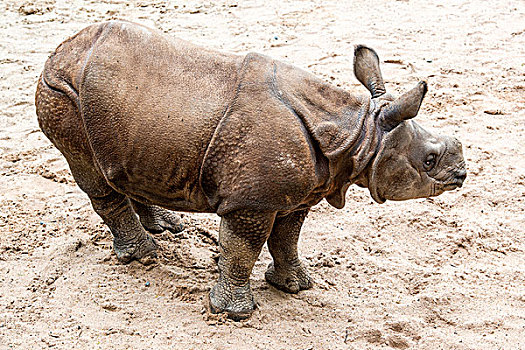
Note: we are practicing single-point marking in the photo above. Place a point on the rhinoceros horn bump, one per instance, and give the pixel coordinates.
(404, 107)
(367, 71)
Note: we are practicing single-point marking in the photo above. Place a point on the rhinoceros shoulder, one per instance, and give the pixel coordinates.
(261, 155)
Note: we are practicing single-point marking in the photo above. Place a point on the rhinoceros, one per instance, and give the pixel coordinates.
(150, 124)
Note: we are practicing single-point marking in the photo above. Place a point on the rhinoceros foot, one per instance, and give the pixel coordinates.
(163, 220)
(144, 250)
(290, 279)
(156, 219)
(237, 302)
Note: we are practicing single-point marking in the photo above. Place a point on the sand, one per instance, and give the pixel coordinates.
(442, 273)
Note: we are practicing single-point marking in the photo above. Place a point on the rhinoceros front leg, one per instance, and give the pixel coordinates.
(287, 272)
(156, 219)
(241, 237)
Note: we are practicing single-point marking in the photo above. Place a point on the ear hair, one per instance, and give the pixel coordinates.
(404, 107)
(367, 71)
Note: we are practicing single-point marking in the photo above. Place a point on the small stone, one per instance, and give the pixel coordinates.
(147, 284)
(397, 342)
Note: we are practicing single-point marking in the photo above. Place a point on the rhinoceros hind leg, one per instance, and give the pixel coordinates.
(156, 219)
(287, 272)
(59, 118)
(130, 240)
(292, 280)
(241, 237)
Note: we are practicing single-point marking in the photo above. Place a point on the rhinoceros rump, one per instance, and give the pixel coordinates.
(150, 124)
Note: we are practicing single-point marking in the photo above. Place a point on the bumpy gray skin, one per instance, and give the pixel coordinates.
(150, 124)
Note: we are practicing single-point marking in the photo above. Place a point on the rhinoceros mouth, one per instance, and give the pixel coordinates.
(451, 186)
(439, 187)
(454, 177)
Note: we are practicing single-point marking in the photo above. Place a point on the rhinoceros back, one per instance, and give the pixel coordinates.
(150, 105)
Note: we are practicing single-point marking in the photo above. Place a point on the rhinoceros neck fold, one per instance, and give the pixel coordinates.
(340, 122)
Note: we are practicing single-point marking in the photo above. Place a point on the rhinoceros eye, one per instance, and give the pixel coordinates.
(430, 161)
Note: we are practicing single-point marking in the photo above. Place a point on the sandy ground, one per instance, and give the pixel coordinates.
(442, 273)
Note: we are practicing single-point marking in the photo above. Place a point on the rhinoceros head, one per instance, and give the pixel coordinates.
(410, 162)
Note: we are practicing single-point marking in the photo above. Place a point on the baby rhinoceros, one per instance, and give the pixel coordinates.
(150, 124)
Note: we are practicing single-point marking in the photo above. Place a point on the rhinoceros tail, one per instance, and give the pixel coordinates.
(57, 99)
(64, 68)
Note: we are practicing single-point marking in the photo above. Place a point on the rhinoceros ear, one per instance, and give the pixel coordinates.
(404, 107)
(366, 70)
